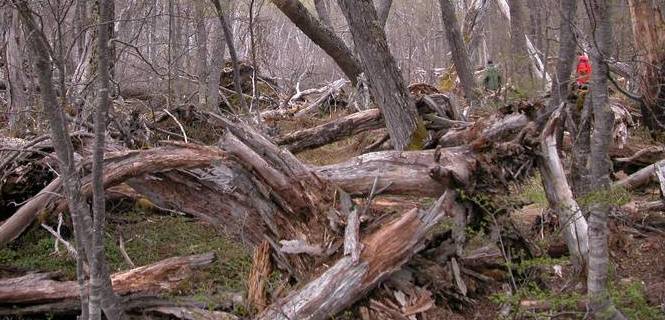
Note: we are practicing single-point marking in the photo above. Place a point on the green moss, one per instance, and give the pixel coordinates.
(34, 251)
(532, 191)
(418, 137)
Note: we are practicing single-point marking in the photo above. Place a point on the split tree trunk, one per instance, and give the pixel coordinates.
(387, 86)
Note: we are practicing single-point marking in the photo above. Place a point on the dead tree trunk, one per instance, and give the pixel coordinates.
(459, 52)
(648, 18)
(322, 36)
(600, 304)
(405, 127)
(560, 197)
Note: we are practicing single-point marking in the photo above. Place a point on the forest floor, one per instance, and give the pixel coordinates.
(546, 283)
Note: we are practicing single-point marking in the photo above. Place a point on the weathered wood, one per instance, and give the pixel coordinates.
(332, 131)
(643, 176)
(119, 167)
(161, 276)
(560, 196)
(385, 251)
(258, 277)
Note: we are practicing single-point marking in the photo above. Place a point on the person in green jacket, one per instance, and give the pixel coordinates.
(492, 80)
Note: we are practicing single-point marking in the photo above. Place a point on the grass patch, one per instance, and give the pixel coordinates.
(148, 238)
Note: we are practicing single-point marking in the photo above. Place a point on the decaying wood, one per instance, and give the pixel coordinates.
(119, 167)
(191, 313)
(258, 277)
(344, 282)
(641, 177)
(162, 276)
(560, 196)
(331, 91)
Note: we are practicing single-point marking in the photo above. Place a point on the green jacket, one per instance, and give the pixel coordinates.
(492, 79)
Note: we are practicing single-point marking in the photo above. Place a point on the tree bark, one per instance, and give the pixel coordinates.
(101, 292)
(566, 56)
(383, 11)
(216, 65)
(600, 304)
(16, 78)
(459, 52)
(322, 10)
(519, 54)
(322, 36)
(648, 18)
(202, 54)
(405, 127)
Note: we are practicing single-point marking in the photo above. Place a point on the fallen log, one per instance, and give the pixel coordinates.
(643, 176)
(119, 167)
(332, 131)
(159, 277)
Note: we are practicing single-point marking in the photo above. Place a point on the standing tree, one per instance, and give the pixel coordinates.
(386, 84)
(69, 175)
(101, 291)
(601, 305)
(458, 50)
(383, 11)
(16, 78)
(566, 57)
(324, 37)
(323, 12)
(202, 54)
(648, 17)
(519, 54)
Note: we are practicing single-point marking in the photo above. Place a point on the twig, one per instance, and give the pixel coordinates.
(121, 246)
(68, 246)
(182, 129)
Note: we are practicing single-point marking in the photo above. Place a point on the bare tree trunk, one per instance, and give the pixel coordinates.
(64, 150)
(16, 79)
(228, 36)
(216, 66)
(566, 57)
(202, 54)
(600, 304)
(458, 49)
(648, 18)
(383, 11)
(520, 56)
(580, 169)
(322, 36)
(323, 12)
(101, 291)
(405, 127)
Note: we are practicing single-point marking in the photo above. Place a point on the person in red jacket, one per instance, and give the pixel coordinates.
(583, 71)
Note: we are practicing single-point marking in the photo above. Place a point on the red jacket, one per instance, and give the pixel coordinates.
(583, 70)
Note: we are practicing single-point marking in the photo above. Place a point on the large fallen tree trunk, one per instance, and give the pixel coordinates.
(119, 167)
(159, 277)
